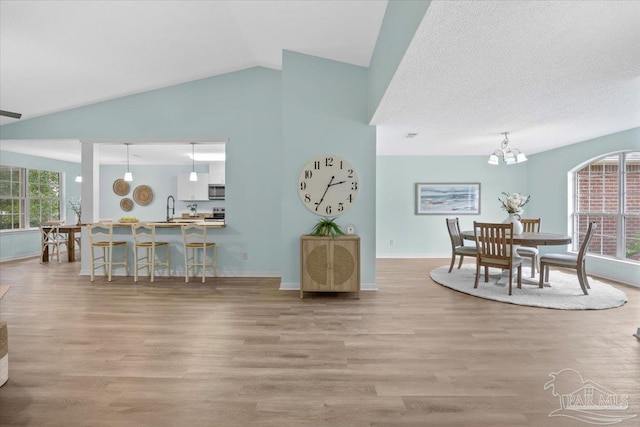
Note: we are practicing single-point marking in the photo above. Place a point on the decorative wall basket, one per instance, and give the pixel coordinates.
(126, 204)
(143, 195)
(121, 187)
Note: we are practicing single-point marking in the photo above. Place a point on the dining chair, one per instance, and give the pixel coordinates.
(457, 243)
(196, 249)
(101, 237)
(495, 249)
(530, 225)
(573, 261)
(51, 240)
(145, 251)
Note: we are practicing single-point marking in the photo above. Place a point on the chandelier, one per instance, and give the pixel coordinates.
(509, 156)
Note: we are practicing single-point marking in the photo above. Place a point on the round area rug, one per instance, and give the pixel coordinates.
(563, 291)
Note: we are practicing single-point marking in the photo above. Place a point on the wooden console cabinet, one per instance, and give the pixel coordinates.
(330, 265)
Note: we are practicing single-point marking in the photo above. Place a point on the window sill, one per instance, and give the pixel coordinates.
(19, 230)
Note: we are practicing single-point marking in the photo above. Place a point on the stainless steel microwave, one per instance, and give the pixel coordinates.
(216, 191)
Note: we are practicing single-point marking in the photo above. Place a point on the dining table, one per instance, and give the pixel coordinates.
(529, 239)
(70, 231)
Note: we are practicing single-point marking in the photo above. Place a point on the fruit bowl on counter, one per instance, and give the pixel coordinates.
(128, 219)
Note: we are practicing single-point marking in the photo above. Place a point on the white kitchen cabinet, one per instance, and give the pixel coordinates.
(193, 190)
(216, 172)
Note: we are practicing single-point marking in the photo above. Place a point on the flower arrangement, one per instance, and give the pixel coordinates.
(75, 206)
(513, 203)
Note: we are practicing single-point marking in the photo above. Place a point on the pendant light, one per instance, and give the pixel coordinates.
(79, 176)
(509, 156)
(193, 176)
(128, 176)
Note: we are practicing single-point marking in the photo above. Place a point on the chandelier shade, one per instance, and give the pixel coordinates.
(508, 155)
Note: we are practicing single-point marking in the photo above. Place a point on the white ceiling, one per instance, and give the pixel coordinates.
(552, 73)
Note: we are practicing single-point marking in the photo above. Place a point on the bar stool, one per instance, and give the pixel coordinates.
(194, 237)
(101, 236)
(144, 237)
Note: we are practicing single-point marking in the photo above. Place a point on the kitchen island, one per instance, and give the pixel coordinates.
(166, 231)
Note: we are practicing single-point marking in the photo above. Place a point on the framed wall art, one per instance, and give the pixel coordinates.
(448, 198)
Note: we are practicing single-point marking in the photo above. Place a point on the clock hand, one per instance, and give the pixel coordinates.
(336, 183)
(324, 194)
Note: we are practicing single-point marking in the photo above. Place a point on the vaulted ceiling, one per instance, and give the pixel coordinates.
(551, 73)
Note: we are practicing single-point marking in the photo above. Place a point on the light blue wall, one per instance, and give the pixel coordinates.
(426, 235)
(325, 112)
(274, 122)
(401, 20)
(18, 244)
(544, 177)
(547, 176)
(244, 106)
(162, 181)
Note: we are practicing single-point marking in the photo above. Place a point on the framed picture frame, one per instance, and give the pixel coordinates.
(448, 198)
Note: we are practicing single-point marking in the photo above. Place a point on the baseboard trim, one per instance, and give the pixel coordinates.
(296, 286)
(270, 274)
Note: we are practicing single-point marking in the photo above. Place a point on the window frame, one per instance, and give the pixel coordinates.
(620, 214)
(24, 199)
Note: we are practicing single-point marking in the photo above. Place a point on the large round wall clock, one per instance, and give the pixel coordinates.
(328, 185)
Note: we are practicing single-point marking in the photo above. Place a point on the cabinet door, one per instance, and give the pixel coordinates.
(329, 265)
(314, 268)
(344, 268)
(193, 190)
(216, 172)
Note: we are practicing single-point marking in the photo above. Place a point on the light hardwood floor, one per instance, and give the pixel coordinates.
(239, 352)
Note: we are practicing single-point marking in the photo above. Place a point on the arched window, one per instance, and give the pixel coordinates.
(607, 191)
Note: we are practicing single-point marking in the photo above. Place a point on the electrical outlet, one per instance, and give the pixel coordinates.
(351, 229)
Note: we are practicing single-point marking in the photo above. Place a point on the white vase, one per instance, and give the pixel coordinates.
(517, 225)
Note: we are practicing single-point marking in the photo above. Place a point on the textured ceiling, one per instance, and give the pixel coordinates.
(550, 72)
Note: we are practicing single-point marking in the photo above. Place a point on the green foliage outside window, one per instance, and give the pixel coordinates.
(37, 189)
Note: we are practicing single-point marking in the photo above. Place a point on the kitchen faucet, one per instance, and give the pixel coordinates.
(172, 208)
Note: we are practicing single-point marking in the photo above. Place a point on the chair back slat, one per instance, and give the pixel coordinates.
(494, 241)
(143, 233)
(194, 233)
(585, 243)
(100, 232)
(530, 225)
(454, 233)
(51, 234)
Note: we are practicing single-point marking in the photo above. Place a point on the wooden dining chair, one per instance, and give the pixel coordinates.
(495, 249)
(573, 261)
(457, 243)
(51, 241)
(530, 225)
